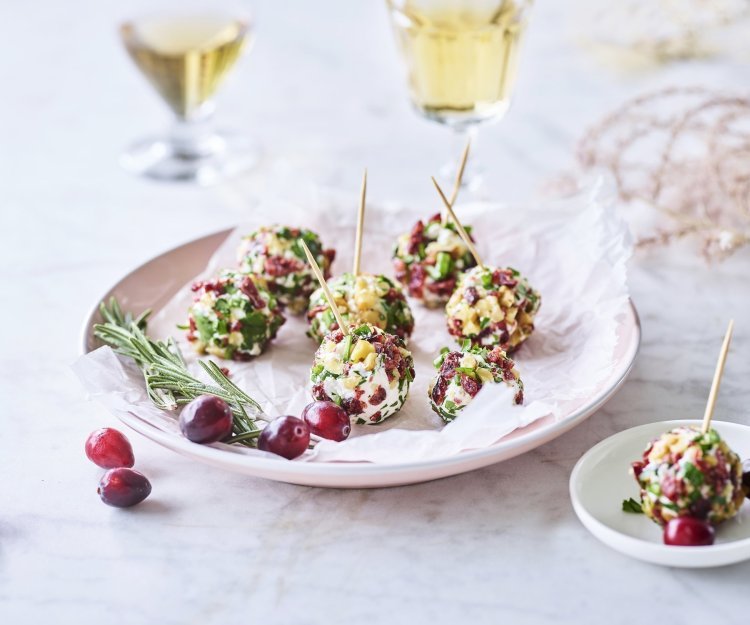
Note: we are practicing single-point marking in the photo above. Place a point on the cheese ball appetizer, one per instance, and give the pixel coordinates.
(274, 254)
(233, 316)
(687, 473)
(367, 373)
(462, 374)
(492, 307)
(366, 298)
(429, 259)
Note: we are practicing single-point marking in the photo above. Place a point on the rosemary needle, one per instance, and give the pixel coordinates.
(168, 381)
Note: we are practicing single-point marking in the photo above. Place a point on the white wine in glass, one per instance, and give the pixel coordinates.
(185, 57)
(461, 58)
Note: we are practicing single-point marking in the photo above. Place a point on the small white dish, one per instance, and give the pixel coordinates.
(600, 481)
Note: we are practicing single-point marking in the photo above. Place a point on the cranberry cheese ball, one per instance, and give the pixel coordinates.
(429, 259)
(365, 298)
(274, 253)
(233, 316)
(367, 373)
(461, 375)
(687, 473)
(492, 307)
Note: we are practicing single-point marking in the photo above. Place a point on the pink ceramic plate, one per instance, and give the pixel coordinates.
(152, 284)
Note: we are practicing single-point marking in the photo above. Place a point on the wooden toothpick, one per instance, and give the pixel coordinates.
(712, 395)
(459, 178)
(360, 225)
(461, 231)
(324, 286)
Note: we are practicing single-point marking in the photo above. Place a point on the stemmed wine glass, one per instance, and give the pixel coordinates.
(186, 51)
(461, 58)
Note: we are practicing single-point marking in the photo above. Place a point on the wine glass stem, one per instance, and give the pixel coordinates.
(194, 138)
(472, 177)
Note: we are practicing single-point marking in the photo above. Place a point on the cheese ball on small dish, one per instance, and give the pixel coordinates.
(687, 473)
(366, 298)
(462, 374)
(233, 316)
(275, 254)
(429, 259)
(367, 373)
(492, 307)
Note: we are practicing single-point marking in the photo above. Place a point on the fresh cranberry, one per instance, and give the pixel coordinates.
(123, 487)
(285, 436)
(328, 420)
(109, 448)
(687, 531)
(206, 419)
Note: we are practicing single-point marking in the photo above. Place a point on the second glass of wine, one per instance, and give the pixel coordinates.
(461, 58)
(185, 53)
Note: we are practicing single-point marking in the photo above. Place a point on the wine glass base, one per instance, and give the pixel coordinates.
(222, 155)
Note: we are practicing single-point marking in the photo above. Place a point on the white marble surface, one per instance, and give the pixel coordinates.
(323, 94)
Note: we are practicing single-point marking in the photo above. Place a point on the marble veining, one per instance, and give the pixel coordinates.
(322, 91)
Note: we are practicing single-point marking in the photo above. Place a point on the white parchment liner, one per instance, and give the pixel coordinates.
(573, 251)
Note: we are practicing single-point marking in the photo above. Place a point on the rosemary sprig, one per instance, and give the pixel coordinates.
(168, 381)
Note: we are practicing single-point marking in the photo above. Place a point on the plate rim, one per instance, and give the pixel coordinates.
(655, 553)
(289, 469)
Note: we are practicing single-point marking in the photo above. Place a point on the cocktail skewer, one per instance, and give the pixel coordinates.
(459, 178)
(360, 225)
(326, 290)
(714, 392)
(461, 231)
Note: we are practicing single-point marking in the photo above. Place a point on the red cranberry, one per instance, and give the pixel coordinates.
(688, 531)
(109, 448)
(123, 487)
(206, 419)
(328, 420)
(285, 436)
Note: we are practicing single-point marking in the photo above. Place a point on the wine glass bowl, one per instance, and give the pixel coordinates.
(185, 56)
(461, 57)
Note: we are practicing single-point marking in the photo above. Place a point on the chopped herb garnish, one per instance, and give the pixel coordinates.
(632, 506)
